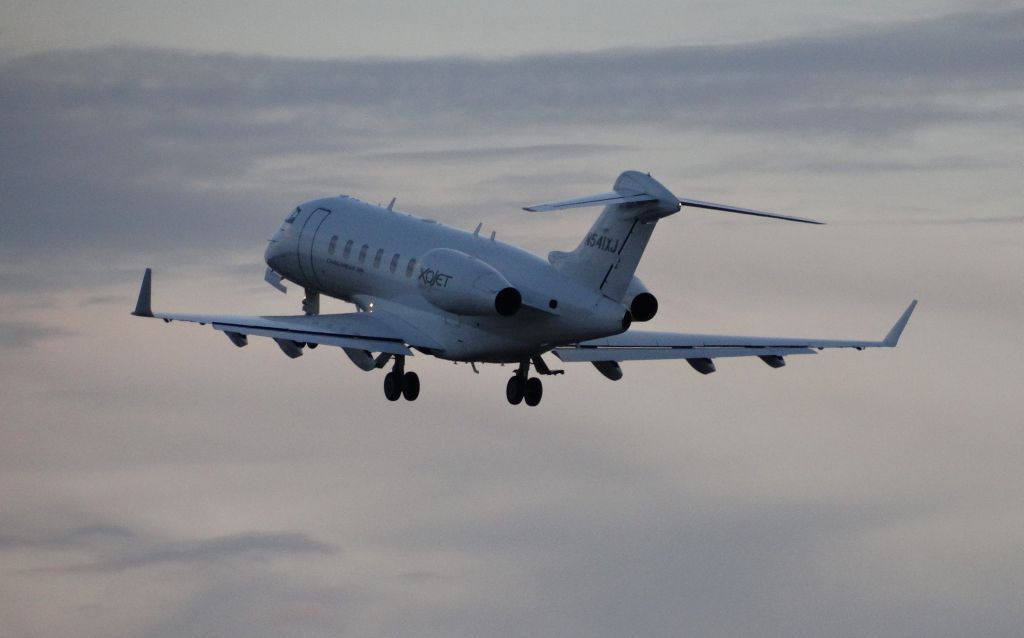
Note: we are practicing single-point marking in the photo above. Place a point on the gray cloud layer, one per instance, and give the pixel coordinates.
(848, 494)
(21, 334)
(119, 147)
(122, 548)
(214, 549)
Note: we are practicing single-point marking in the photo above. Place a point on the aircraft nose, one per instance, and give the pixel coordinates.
(275, 253)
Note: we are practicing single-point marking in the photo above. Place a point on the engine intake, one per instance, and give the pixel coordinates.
(464, 285)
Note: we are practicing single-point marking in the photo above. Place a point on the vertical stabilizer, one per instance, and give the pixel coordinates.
(609, 253)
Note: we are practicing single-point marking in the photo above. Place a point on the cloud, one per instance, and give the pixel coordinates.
(79, 536)
(262, 605)
(120, 547)
(851, 494)
(125, 150)
(252, 544)
(23, 334)
(493, 153)
(103, 300)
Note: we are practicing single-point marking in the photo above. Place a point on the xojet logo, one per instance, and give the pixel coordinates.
(433, 278)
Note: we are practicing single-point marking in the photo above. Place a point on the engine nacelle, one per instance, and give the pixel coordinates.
(641, 303)
(464, 285)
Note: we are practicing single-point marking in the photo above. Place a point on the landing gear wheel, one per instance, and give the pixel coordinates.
(410, 386)
(514, 391)
(393, 386)
(534, 391)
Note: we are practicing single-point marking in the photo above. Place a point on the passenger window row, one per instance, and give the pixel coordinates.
(346, 253)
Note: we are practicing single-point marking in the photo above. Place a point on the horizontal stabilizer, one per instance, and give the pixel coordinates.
(696, 203)
(600, 199)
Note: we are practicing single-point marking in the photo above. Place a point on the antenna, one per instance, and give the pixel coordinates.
(476, 233)
(391, 206)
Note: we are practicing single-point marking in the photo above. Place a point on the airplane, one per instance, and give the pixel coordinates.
(421, 285)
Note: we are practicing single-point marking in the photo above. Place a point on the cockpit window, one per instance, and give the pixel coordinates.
(292, 216)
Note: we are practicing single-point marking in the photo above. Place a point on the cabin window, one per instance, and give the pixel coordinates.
(394, 263)
(362, 253)
(411, 267)
(348, 249)
(331, 246)
(378, 257)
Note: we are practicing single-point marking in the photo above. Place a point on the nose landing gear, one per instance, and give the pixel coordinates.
(399, 383)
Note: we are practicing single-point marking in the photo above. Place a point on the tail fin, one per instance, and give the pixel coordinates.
(608, 255)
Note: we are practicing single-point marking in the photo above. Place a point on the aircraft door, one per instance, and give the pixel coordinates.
(307, 244)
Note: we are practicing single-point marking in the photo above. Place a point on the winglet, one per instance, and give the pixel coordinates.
(143, 307)
(893, 337)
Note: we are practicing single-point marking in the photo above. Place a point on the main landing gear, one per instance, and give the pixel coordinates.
(522, 387)
(399, 383)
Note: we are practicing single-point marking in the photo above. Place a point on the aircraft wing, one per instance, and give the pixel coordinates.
(702, 348)
(357, 330)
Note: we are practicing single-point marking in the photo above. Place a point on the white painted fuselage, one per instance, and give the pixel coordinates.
(373, 257)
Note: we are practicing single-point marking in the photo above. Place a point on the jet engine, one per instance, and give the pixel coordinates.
(641, 303)
(464, 285)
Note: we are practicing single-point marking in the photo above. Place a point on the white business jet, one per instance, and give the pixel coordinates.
(420, 285)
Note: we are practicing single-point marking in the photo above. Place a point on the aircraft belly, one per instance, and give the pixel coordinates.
(474, 345)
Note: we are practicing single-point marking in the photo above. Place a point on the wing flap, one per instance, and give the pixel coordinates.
(352, 330)
(360, 330)
(362, 343)
(646, 345)
(584, 353)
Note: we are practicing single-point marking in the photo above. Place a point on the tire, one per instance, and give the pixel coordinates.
(534, 391)
(410, 386)
(392, 386)
(514, 390)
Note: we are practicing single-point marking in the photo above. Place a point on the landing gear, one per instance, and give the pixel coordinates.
(398, 383)
(515, 390)
(410, 386)
(311, 303)
(392, 386)
(522, 386)
(534, 391)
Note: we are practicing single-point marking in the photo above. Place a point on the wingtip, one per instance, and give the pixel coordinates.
(143, 307)
(893, 337)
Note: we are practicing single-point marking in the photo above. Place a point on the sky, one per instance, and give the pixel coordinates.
(155, 481)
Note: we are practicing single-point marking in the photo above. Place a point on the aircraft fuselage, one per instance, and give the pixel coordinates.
(374, 257)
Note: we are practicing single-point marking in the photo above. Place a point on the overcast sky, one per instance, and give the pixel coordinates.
(155, 481)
